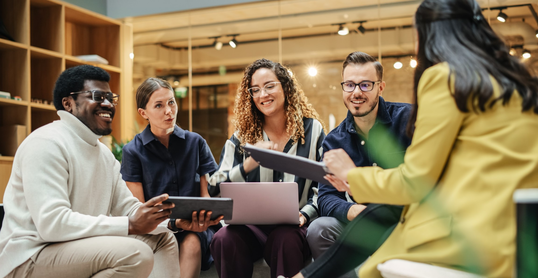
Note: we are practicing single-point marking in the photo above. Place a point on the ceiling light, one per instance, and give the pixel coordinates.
(398, 65)
(513, 51)
(502, 16)
(342, 31)
(537, 34)
(413, 63)
(233, 42)
(216, 43)
(312, 71)
(361, 29)
(526, 54)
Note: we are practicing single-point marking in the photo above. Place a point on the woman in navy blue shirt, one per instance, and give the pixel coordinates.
(167, 159)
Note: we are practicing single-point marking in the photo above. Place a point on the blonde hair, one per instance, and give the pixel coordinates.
(249, 120)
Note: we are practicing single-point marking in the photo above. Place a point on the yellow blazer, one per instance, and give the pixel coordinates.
(456, 183)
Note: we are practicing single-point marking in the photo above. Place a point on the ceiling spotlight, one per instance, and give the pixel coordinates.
(217, 44)
(361, 29)
(502, 16)
(526, 54)
(413, 63)
(312, 71)
(537, 34)
(342, 31)
(513, 51)
(233, 42)
(398, 65)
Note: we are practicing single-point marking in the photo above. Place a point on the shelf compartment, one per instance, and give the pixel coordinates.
(88, 33)
(46, 25)
(71, 61)
(13, 114)
(14, 75)
(45, 70)
(14, 15)
(41, 117)
(6, 164)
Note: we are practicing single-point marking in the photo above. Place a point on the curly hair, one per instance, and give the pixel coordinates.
(72, 80)
(249, 120)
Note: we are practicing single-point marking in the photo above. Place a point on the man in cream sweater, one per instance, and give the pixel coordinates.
(68, 211)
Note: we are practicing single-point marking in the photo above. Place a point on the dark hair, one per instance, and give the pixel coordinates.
(147, 88)
(456, 32)
(72, 80)
(249, 120)
(361, 58)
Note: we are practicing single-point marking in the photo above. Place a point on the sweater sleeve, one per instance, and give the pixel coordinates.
(437, 126)
(45, 186)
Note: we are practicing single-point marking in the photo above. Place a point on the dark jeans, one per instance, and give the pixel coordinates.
(360, 239)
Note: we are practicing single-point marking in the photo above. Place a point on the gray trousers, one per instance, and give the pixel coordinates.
(322, 233)
(105, 256)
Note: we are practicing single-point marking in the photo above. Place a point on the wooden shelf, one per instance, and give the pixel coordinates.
(48, 34)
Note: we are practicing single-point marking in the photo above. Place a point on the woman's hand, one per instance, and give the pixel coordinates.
(339, 184)
(250, 164)
(302, 219)
(199, 223)
(339, 163)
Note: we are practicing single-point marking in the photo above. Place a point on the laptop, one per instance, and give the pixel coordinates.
(262, 203)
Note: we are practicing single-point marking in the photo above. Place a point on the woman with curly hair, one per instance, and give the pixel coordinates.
(271, 112)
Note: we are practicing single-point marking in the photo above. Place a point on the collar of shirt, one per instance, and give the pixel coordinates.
(147, 136)
(80, 129)
(383, 117)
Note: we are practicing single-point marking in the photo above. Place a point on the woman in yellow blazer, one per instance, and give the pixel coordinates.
(475, 142)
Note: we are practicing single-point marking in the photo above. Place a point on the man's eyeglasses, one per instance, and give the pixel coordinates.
(364, 86)
(100, 96)
(269, 88)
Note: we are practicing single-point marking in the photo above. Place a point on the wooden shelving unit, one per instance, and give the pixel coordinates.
(48, 35)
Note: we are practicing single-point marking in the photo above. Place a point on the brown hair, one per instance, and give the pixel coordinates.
(249, 120)
(361, 58)
(147, 88)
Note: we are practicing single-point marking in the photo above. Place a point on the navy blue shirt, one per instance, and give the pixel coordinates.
(175, 170)
(385, 147)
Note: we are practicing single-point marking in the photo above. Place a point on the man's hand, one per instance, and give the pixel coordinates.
(354, 211)
(199, 223)
(149, 215)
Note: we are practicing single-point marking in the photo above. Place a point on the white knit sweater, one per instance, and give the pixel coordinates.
(65, 185)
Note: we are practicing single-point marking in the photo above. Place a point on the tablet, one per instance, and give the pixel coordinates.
(186, 205)
(283, 162)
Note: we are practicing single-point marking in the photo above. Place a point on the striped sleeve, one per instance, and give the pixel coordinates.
(231, 166)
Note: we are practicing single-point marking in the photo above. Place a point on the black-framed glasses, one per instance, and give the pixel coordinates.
(269, 88)
(100, 96)
(364, 86)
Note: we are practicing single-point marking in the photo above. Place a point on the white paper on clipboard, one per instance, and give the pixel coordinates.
(283, 162)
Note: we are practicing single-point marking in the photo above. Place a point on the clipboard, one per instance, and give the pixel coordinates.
(186, 205)
(283, 162)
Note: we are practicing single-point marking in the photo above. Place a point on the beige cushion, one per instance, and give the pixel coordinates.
(407, 269)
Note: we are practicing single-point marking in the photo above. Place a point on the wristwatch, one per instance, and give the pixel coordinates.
(173, 226)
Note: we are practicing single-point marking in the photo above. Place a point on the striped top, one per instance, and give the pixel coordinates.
(231, 166)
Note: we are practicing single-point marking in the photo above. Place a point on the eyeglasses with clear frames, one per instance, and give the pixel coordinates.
(100, 96)
(364, 86)
(269, 88)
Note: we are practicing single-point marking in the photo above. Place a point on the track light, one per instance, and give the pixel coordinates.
(502, 16)
(413, 63)
(342, 31)
(526, 54)
(398, 65)
(233, 42)
(361, 29)
(216, 43)
(537, 34)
